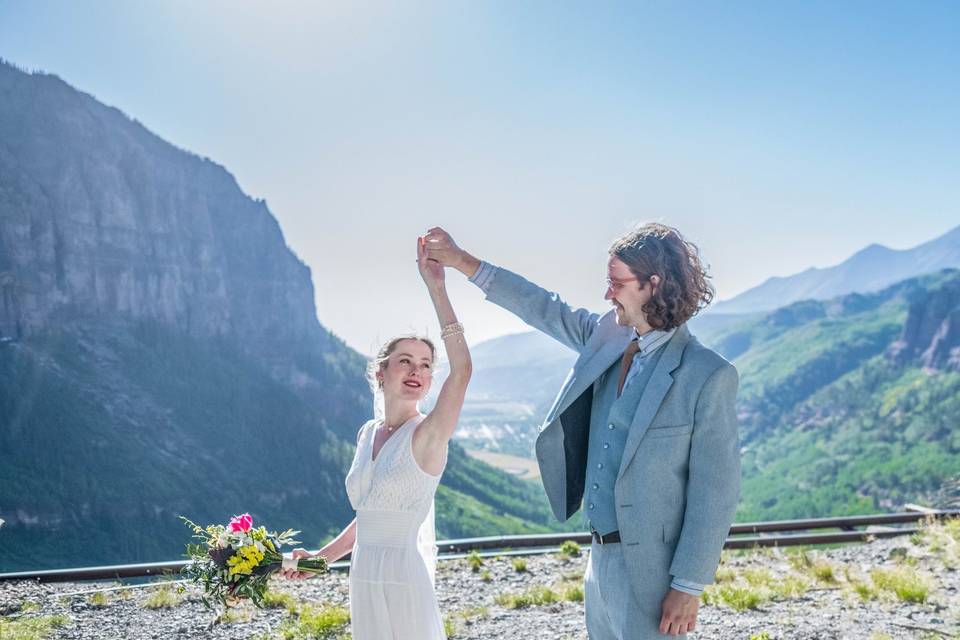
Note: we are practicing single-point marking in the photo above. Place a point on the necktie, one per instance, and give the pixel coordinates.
(625, 363)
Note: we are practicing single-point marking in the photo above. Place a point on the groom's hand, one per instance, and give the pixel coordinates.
(679, 613)
(439, 246)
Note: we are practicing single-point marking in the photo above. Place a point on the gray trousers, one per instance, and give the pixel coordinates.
(612, 609)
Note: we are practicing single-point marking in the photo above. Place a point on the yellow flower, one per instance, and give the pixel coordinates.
(242, 568)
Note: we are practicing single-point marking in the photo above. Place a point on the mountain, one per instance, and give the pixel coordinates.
(868, 270)
(160, 353)
(849, 405)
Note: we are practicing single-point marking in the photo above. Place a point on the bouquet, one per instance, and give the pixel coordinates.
(235, 561)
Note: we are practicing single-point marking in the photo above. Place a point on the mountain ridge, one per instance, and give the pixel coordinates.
(869, 269)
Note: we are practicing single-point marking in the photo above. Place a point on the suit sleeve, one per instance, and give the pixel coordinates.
(539, 308)
(713, 484)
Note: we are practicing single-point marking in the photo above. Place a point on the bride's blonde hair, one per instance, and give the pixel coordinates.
(379, 363)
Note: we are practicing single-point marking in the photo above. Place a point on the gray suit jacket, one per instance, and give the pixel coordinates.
(679, 480)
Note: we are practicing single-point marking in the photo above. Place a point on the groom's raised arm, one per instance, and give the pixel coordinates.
(541, 309)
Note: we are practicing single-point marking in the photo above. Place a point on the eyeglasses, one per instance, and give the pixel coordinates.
(616, 285)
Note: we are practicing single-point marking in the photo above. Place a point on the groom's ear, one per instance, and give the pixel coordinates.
(655, 281)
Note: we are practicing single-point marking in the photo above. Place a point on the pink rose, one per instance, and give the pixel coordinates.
(241, 522)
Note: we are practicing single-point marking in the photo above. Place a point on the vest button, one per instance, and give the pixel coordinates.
(606, 445)
(611, 427)
(599, 465)
(591, 505)
(596, 486)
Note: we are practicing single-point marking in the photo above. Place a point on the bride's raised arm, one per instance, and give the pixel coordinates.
(437, 428)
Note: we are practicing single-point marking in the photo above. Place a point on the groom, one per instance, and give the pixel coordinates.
(643, 433)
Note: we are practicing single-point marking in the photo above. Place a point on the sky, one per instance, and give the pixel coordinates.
(775, 135)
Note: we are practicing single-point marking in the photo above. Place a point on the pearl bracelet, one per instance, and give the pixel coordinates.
(452, 329)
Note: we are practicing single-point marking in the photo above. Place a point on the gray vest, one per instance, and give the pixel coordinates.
(610, 419)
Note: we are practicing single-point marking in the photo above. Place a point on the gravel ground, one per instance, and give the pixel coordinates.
(827, 609)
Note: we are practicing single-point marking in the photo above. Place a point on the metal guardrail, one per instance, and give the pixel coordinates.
(784, 535)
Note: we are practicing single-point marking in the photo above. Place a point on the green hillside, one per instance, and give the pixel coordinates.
(109, 435)
(874, 439)
(831, 423)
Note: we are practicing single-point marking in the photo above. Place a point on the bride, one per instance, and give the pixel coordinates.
(391, 484)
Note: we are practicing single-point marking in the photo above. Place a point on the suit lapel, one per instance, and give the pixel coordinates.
(592, 368)
(653, 394)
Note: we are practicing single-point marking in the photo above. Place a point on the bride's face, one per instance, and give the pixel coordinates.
(408, 372)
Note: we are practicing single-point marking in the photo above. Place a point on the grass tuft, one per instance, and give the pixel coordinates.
(315, 621)
(98, 600)
(569, 549)
(38, 628)
(474, 560)
(573, 593)
(280, 600)
(534, 596)
(29, 606)
(162, 598)
(905, 583)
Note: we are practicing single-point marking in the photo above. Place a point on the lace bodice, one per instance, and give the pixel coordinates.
(394, 481)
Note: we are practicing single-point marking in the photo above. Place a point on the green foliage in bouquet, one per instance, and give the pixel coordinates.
(234, 562)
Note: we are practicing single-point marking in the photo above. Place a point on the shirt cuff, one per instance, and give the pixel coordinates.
(484, 275)
(686, 586)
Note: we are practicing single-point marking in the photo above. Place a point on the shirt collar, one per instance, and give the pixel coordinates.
(650, 342)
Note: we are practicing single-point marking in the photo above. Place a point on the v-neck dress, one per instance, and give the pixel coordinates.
(394, 557)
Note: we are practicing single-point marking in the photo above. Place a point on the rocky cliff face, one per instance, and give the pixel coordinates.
(931, 333)
(102, 220)
(160, 354)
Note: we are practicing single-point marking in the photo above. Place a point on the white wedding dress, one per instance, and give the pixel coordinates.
(393, 563)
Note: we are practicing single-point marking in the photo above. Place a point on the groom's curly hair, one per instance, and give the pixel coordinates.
(657, 249)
